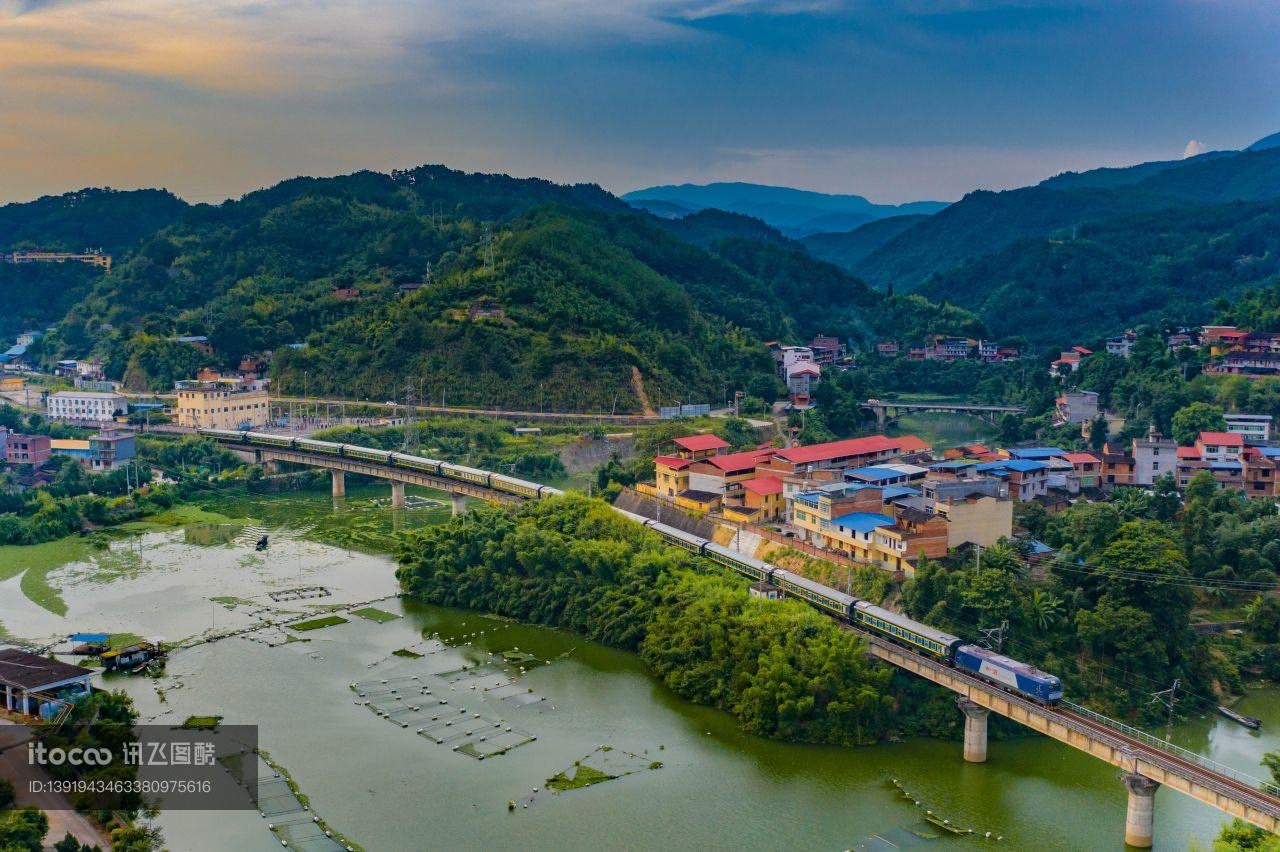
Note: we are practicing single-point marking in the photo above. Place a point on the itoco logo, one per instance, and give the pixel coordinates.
(38, 753)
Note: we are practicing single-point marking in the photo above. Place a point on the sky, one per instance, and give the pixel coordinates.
(896, 100)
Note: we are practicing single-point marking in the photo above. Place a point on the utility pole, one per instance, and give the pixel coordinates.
(1169, 698)
(993, 638)
(410, 442)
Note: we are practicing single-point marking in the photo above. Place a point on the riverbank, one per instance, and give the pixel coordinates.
(718, 787)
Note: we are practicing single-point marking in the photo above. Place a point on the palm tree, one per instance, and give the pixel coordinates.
(1045, 609)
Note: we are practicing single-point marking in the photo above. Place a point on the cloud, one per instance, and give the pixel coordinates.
(1194, 148)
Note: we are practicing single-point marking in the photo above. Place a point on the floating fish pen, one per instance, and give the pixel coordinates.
(301, 594)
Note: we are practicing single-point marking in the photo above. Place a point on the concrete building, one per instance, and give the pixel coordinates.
(758, 500)
(27, 449)
(86, 406)
(1254, 428)
(1077, 407)
(977, 511)
(881, 526)
(1027, 479)
(1122, 344)
(107, 450)
(223, 404)
(1153, 457)
(28, 681)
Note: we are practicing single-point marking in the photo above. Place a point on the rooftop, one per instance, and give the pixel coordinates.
(864, 522)
(1018, 465)
(841, 449)
(32, 671)
(698, 443)
(764, 485)
(1036, 452)
(1226, 439)
(737, 461)
(1082, 458)
(672, 462)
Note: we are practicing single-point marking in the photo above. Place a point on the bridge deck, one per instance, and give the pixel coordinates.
(1226, 789)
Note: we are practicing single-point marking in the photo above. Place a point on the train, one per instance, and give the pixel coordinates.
(994, 668)
(434, 467)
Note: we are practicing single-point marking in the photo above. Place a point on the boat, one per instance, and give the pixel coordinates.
(1253, 723)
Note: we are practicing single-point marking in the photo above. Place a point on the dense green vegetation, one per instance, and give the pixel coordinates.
(782, 669)
(849, 248)
(74, 499)
(984, 222)
(483, 289)
(1166, 268)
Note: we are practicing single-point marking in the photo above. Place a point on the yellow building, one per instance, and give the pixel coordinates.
(671, 475)
(12, 383)
(223, 404)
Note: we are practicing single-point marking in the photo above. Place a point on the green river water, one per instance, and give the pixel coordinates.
(388, 788)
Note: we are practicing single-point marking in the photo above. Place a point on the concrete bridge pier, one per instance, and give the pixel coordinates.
(271, 467)
(975, 730)
(397, 494)
(1139, 818)
(459, 502)
(339, 483)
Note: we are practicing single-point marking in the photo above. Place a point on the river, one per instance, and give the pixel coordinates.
(388, 787)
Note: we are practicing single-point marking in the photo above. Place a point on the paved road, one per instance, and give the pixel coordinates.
(62, 819)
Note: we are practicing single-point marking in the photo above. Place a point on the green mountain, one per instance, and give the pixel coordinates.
(1167, 267)
(849, 248)
(795, 212)
(488, 289)
(984, 222)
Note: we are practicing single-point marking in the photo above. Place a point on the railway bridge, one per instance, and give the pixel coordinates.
(888, 410)
(1146, 763)
(340, 466)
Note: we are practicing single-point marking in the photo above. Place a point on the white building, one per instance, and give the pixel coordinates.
(86, 405)
(1256, 428)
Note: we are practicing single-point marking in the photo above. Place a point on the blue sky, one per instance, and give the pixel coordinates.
(893, 99)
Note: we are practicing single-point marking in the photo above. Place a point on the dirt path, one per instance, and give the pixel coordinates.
(62, 819)
(637, 384)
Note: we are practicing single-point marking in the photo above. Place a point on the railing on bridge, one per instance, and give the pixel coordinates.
(1175, 750)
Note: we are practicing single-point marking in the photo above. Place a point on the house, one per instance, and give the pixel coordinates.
(671, 475)
(1027, 479)
(345, 293)
(788, 356)
(1153, 458)
(716, 474)
(757, 500)
(32, 685)
(1118, 467)
(699, 446)
(827, 350)
(950, 349)
(886, 474)
(977, 511)
(764, 589)
(222, 404)
(889, 348)
(1122, 344)
(28, 337)
(1247, 364)
(199, 341)
(1254, 428)
(854, 452)
(1076, 407)
(1260, 472)
(1042, 454)
(1219, 446)
(33, 450)
(864, 523)
(1069, 360)
(802, 378)
(967, 451)
(1086, 471)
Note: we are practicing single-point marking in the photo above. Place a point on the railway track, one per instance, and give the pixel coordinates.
(1244, 788)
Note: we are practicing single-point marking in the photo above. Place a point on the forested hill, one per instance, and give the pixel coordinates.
(492, 290)
(1168, 267)
(984, 222)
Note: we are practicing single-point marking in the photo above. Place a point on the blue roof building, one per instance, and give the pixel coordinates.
(863, 523)
(1037, 453)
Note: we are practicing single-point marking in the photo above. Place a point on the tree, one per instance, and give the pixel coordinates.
(1195, 418)
(1263, 618)
(23, 830)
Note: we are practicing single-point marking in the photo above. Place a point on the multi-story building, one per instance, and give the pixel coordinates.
(827, 350)
(1122, 344)
(758, 500)
(1217, 452)
(1254, 428)
(694, 447)
(977, 511)
(27, 449)
(107, 450)
(861, 522)
(81, 405)
(222, 404)
(1027, 479)
(1153, 458)
(1086, 471)
(1077, 407)
(1118, 467)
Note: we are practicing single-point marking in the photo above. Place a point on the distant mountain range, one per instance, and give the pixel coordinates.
(794, 212)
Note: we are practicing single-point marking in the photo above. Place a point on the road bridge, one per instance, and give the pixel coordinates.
(1146, 762)
(889, 410)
